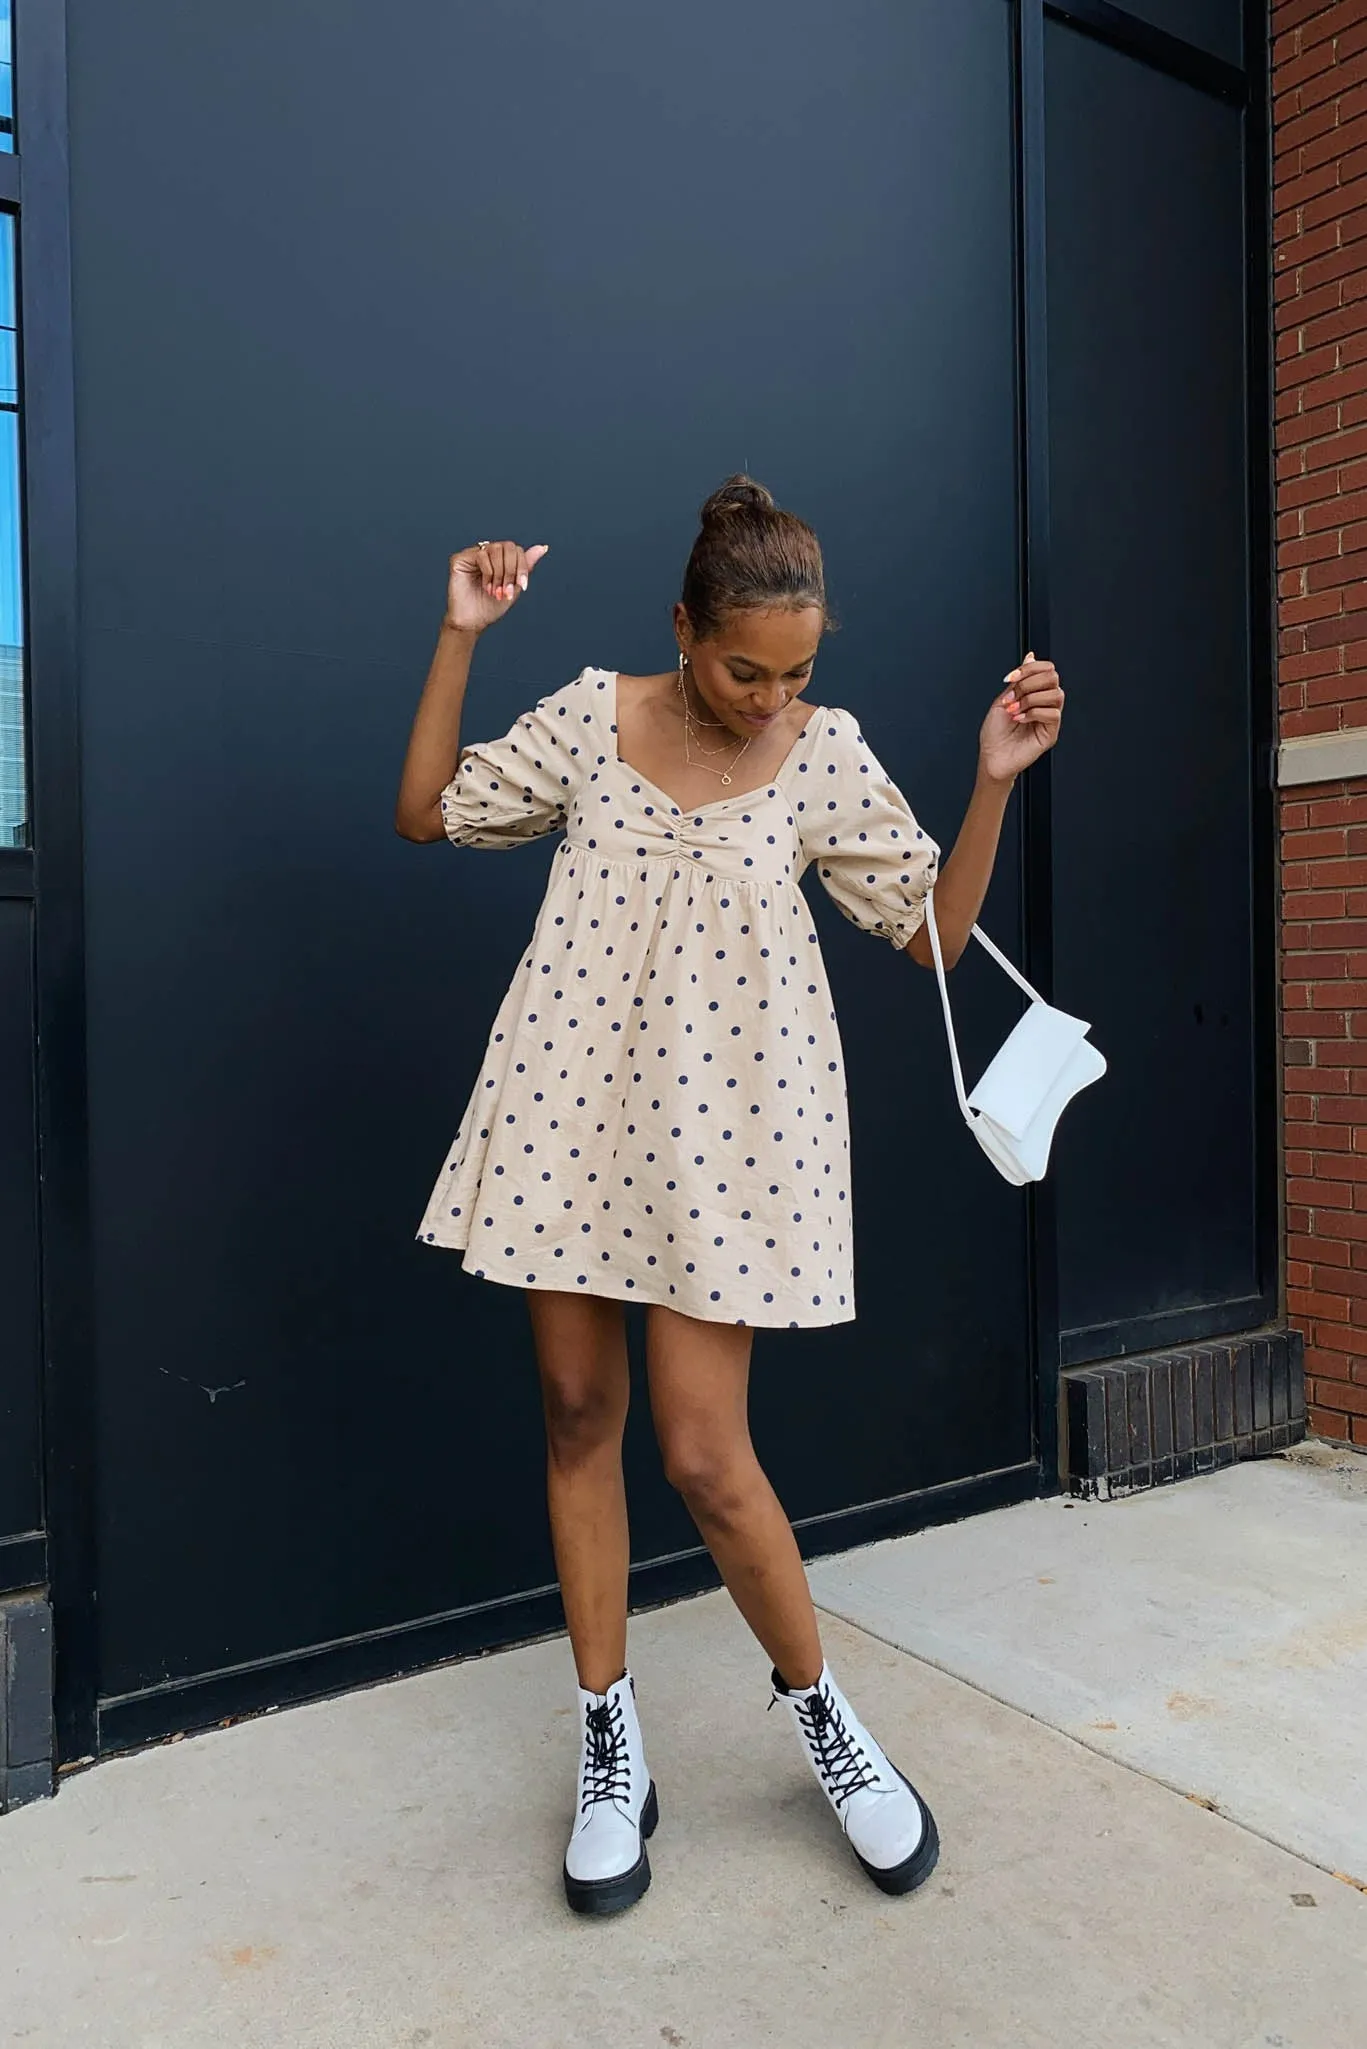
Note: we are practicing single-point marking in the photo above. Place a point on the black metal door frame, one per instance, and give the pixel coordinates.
(38, 177)
(23, 1551)
(1244, 87)
(52, 874)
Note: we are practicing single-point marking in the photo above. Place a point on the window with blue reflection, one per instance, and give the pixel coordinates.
(13, 790)
(6, 75)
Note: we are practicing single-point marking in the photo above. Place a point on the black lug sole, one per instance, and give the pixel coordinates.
(614, 1895)
(916, 1869)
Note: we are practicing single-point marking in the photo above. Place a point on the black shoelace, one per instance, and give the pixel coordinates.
(607, 1767)
(844, 1766)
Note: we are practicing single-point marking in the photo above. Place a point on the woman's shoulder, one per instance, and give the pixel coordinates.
(631, 689)
(834, 744)
(837, 715)
(831, 729)
(844, 733)
(586, 692)
(587, 679)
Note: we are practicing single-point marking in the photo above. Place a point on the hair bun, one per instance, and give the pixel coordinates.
(738, 494)
(750, 556)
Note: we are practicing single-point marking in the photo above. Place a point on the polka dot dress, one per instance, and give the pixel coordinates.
(660, 1116)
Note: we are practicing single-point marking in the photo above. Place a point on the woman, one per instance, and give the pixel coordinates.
(660, 1116)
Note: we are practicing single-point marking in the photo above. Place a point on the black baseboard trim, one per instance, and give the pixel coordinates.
(26, 1731)
(131, 1720)
(1134, 1423)
(902, 1515)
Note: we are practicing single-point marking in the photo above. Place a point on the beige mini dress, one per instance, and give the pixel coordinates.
(660, 1116)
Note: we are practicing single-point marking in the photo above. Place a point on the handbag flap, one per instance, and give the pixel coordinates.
(1026, 1068)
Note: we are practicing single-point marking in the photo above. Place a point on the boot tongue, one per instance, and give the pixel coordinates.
(847, 1768)
(787, 1692)
(605, 1759)
(599, 1721)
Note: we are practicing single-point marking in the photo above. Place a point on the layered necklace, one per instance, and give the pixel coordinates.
(693, 726)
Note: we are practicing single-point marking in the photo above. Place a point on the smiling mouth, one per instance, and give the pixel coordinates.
(759, 718)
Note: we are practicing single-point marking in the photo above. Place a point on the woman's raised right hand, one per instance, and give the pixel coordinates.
(486, 581)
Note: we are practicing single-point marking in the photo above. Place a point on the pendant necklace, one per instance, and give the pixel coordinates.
(691, 724)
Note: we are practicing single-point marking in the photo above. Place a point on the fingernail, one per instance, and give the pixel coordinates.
(522, 580)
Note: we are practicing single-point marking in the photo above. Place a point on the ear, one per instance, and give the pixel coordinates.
(683, 631)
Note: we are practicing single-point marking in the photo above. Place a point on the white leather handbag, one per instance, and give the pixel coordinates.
(1029, 1083)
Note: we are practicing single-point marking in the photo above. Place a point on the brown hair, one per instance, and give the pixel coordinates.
(750, 556)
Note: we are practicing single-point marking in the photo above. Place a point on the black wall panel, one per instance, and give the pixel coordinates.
(1152, 850)
(348, 294)
(353, 288)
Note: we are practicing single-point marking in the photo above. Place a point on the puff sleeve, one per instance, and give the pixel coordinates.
(858, 830)
(508, 791)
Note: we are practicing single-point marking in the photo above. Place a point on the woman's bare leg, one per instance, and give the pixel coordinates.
(581, 1352)
(699, 1384)
(699, 1374)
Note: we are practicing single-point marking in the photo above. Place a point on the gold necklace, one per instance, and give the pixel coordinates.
(714, 725)
(690, 721)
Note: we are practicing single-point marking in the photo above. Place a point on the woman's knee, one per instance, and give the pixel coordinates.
(585, 1413)
(713, 1477)
(582, 1356)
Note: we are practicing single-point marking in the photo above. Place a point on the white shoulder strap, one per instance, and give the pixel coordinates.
(1000, 958)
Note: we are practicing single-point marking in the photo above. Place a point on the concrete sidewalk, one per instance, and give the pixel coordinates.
(1212, 1635)
(382, 1871)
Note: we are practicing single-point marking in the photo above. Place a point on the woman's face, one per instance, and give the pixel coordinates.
(754, 665)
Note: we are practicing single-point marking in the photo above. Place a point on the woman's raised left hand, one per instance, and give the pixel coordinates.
(1023, 723)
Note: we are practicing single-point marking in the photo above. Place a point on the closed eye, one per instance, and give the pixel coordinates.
(798, 675)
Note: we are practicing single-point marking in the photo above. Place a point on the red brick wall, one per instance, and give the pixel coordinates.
(1319, 85)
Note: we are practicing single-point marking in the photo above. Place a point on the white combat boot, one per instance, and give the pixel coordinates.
(606, 1867)
(888, 1825)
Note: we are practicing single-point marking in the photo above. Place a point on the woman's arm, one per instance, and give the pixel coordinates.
(1020, 727)
(484, 583)
(434, 745)
(965, 875)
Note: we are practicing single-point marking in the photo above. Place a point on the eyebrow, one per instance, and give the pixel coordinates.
(751, 663)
